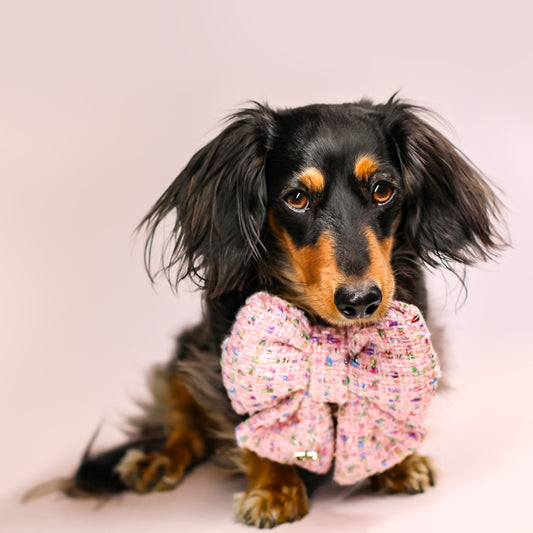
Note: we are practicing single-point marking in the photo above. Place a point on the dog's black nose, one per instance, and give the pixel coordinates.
(358, 302)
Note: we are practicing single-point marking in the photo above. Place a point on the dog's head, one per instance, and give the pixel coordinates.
(314, 202)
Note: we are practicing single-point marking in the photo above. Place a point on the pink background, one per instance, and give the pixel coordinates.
(101, 105)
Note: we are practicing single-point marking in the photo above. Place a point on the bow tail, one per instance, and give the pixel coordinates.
(370, 441)
(296, 431)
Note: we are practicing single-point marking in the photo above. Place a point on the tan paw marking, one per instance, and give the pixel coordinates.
(272, 506)
(143, 472)
(412, 476)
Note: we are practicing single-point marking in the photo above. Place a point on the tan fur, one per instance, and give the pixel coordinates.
(143, 472)
(364, 167)
(315, 276)
(275, 494)
(185, 444)
(172, 402)
(313, 179)
(380, 270)
(65, 485)
(412, 476)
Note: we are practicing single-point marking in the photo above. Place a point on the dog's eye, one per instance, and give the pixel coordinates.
(297, 200)
(382, 193)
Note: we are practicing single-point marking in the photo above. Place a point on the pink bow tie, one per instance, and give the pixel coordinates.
(294, 379)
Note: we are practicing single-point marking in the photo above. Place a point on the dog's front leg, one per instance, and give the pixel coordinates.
(275, 494)
(412, 476)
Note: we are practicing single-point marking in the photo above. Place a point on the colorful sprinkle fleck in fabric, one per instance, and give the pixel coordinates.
(295, 380)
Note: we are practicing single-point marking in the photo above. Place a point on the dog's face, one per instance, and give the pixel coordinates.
(334, 200)
(315, 203)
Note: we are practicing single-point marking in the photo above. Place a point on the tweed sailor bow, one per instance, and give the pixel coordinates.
(294, 379)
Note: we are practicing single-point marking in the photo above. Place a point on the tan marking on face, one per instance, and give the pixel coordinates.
(313, 275)
(364, 167)
(313, 179)
(380, 269)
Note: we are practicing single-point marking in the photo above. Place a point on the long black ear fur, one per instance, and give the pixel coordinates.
(219, 202)
(450, 211)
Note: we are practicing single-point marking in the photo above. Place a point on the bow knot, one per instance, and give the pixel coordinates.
(287, 374)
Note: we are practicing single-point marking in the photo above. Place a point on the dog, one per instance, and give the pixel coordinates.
(336, 208)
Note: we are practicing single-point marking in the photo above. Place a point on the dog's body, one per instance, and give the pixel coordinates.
(336, 208)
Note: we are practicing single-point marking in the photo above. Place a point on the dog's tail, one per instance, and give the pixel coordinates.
(96, 475)
(99, 474)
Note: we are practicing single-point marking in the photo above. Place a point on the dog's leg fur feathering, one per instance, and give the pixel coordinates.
(231, 206)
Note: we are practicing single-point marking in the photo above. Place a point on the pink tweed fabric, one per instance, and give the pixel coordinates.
(294, 379)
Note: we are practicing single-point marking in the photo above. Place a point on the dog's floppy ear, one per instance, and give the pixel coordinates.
(450, 211)
(219, 203)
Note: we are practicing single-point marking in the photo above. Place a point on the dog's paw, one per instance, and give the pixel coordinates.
(142, 472)
(412, 476)
(268, 507)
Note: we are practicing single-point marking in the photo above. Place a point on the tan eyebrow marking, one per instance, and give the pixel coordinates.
(364, 167)
(313, 179)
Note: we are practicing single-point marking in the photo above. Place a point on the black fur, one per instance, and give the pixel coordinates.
(449, 209)
(222, 238)
(219, 201)
(96, 474)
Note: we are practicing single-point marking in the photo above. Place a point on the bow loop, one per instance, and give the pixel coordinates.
(266, 356)
(275, 321)
(396, 367)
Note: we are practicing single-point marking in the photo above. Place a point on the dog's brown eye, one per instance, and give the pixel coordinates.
(382, 193)
(297, 200)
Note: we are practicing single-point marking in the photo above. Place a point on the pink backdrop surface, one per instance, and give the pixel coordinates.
(102, 103)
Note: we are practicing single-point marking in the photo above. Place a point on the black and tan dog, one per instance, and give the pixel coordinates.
(337, 208)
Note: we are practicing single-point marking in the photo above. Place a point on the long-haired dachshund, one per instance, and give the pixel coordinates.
(337, 208)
